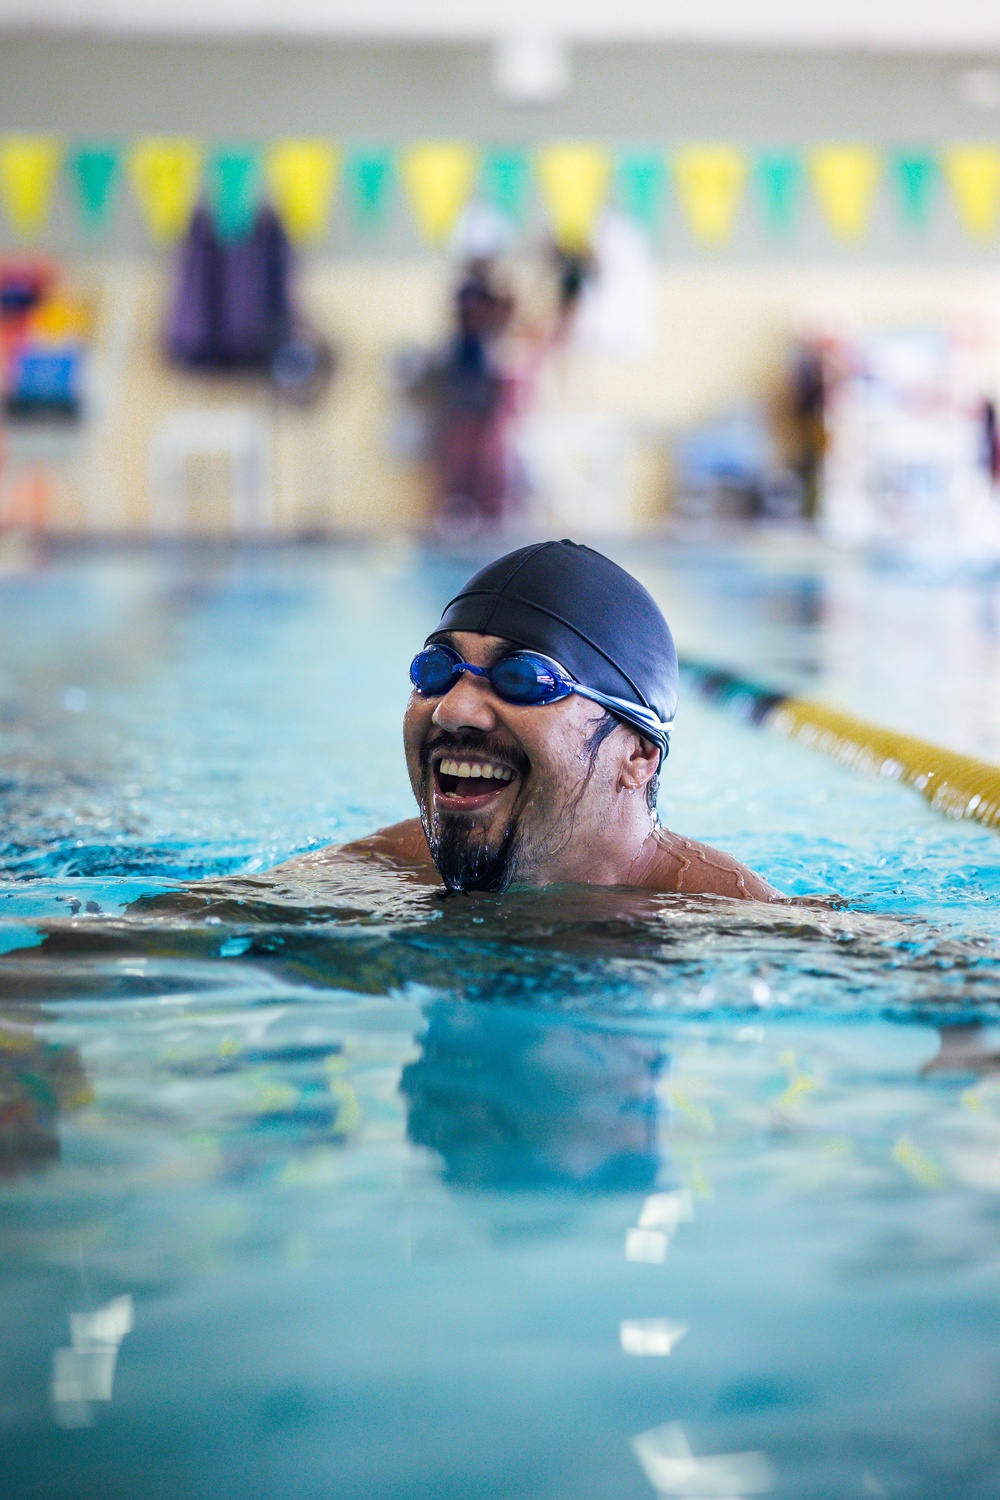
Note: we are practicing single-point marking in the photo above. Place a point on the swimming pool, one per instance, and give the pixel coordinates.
(342, 1190)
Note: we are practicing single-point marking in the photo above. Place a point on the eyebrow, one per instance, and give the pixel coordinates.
(502, 649)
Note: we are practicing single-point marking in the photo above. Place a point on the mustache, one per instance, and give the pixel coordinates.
(474, 742)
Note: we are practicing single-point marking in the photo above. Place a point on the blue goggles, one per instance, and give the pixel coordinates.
(528, 679)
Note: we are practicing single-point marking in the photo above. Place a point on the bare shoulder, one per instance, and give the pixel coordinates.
(401, 844)
(683, 865)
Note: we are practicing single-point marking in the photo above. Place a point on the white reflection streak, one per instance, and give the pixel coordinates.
(666, 1210)
(651, 1335)
(85, 1372)
(661, 1213)
(672, 1469)
(648, 1245)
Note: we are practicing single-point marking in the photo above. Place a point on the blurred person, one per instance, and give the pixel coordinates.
(471, 445)
(541, 713)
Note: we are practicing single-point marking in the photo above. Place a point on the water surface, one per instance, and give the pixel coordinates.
(335, 1187)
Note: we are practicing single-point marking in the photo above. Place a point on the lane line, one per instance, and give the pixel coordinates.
(960, 786)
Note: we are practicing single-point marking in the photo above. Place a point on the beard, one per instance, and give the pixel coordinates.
(465, 859)
(460, 848)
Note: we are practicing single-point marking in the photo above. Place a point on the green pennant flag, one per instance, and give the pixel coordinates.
(95, 172)
(370, 181)
(916, 175)
(641, 178)
(780, 179)
(504, 181)
(233, 180)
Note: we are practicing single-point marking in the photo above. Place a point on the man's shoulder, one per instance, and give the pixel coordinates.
(402, 844)
(683, 865)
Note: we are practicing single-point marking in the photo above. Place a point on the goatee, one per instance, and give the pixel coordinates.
(460, 848)
(464, 858)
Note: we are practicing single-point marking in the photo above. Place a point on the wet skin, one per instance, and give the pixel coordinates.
(581, 815)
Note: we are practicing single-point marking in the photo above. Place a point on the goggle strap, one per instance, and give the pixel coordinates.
(636, 714)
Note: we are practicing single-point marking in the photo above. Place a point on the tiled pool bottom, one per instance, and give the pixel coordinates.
(352, 1192)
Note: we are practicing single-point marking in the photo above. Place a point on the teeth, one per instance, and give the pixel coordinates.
(470, 770)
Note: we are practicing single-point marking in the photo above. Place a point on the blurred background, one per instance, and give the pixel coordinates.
(619, 269)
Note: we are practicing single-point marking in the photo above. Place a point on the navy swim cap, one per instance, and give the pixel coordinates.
(577, 606)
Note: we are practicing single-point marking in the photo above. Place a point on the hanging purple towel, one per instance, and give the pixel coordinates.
(232, 305)
(192, 334)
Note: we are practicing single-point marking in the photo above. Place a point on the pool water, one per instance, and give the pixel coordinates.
(331, 1187)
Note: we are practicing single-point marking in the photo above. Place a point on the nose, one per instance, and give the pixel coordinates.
(467, 705)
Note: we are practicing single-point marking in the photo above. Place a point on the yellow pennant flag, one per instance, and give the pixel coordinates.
(165, 172)
(302, 178)
(844, 179)
(28, 167)
(710, 182)
(438, 176)
(973, 174)
(574, 183)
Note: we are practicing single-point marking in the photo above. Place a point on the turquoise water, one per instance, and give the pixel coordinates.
(338, 1189)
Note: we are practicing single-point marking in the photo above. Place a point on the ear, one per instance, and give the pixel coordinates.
(640, 762)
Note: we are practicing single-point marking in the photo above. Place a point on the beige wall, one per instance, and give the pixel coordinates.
(722, 336)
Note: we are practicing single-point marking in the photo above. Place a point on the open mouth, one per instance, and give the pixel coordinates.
(466, 785)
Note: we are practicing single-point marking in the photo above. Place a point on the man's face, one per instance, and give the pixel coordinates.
(506, 792)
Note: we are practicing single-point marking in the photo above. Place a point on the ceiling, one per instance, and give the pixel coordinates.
(961, 26)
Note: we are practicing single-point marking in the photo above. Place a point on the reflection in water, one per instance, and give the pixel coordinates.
(514, 1098)
(672, 1469)
(38, 1080)
(649, 1239)
(85, 1372)
(965, 1048)
(650, 1335)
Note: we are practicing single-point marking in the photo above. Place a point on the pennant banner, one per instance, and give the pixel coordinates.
(234, 186)
(505, 183)
(780, 178)
(302, 178)
(574, 182)
(438, 178)
(95, 172)
(710, 183)
(973, 174)
(28, 168)
(641, 182)
(370, 179)
(165, 172)
(844, 179)
(916, 176)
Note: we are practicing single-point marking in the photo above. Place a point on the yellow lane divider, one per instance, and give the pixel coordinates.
(960, 786)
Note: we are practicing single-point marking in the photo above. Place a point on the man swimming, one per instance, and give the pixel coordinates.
(540, 716)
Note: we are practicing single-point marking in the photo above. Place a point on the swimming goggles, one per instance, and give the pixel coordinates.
(528, 679)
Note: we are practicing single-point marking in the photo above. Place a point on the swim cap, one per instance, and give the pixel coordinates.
(577, 606)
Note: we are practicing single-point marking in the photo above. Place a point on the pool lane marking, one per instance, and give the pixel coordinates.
(960, 786)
